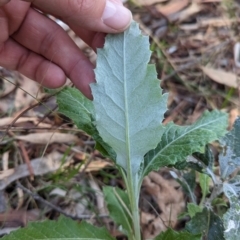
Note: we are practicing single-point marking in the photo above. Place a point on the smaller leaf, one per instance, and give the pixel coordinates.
(204, 181)
(73, 104)
(207, 157)
(190, 178)
(118, 207)
(229, 159)
(231, 218)
(200, 162)
(232, 187)
(63, 229)
(77, 107)
(170, 234)
(188, 183)
(219, 202)
(178, 142)
(193, 209)
(208, 223)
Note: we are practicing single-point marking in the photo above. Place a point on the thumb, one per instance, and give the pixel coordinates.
(97, 15)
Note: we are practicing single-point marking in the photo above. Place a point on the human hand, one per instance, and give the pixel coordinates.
(40, 49)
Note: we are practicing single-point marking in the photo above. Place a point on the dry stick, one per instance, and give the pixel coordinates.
(15, 120)
(25, 110)
(26, 159)
(46, 115)
(19, 129)
(52, 206)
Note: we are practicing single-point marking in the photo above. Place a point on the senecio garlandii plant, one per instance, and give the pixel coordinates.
(125, 119)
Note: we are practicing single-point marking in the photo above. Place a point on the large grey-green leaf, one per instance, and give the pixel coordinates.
(63, 229)
(73, 104)
(229, 159)
(128, 101)
(180, 141)
(231, 219)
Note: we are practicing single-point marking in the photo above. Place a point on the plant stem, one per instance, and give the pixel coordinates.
(133, 194)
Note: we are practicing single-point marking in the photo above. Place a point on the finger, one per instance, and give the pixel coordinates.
(11, 17)
(3, 2)
(53, 43)
(93, 39)
(96, 15)
(15, 57)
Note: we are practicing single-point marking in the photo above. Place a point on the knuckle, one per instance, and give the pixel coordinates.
(22, 60)
(84, 7)
(77, 6)
(48, 42)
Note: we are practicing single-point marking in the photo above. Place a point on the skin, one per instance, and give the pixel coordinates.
(40, 49)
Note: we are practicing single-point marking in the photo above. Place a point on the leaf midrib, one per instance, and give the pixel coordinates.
(126, 113)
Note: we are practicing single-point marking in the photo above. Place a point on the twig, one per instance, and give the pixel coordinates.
(27, 160)
(26, 109)
(40, 199)
(47, 114)
(21, 129)
(16, 118)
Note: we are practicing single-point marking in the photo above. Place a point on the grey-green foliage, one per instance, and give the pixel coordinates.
(76, 106)
(63, 229)
(180, 141)
(207, 158)
(231, 218)
(73, 104)
(206, 223)
(229, 160)
(170, 234)
(127, 115)
(128, 100)
(202, 162)
(118, 206)
(193, 209)
(204, 181)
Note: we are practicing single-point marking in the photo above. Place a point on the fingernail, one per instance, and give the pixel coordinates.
(116, 16)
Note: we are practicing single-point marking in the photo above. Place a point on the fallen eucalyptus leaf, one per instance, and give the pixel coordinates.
(48, 137)
(40, 166)
(227, 78)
